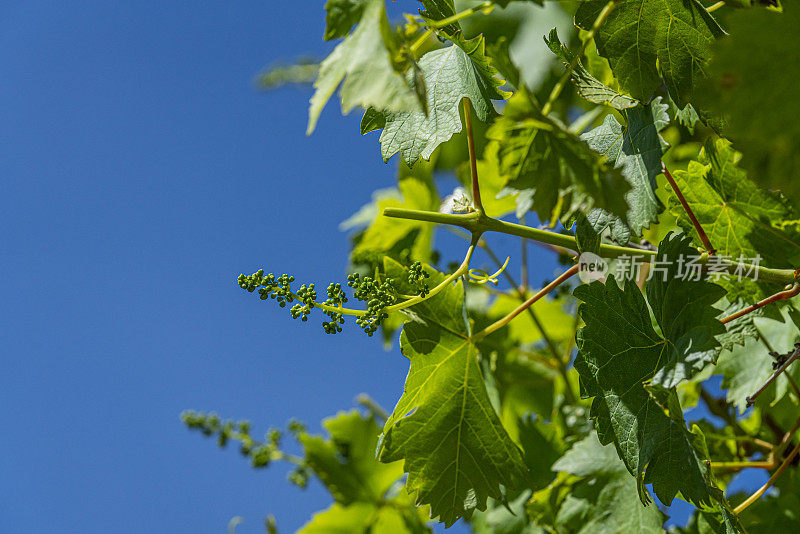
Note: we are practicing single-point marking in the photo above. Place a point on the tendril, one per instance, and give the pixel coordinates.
(479, 276)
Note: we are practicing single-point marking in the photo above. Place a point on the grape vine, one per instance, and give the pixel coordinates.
(559, 409)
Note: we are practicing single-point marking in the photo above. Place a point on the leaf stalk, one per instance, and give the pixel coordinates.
(473, 161)
(786, 294)
(561, 365)
(500, 323)
(700, 232)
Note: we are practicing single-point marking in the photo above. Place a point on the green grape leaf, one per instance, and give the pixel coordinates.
(341, 16)
(362, 64)
(601, 220)
(738, 217)
(687, 116)
(742, 328)
(451, 74)
(640, 37)
(388, 235)
(738, 330)
(587, 238)
(345, 519)
(364, 518)
(528, 54)
(619, 351)
(587, 85)
(364, 488)
(556, 170)
(755, 74)
(346, 462)
(502, 518)
(551, 312)
(636, 150)
(606, 499)
(542, 444)
(455, 450)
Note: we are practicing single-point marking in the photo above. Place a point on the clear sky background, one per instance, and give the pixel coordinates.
(141, 173)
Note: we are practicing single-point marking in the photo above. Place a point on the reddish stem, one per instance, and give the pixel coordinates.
(700, 232)
(528, 303)
(786, 294)
(779, 371)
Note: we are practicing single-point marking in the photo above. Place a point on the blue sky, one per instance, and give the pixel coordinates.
(141, 174)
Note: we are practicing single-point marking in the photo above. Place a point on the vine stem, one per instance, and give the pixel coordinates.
(786, 294)
(458, 16)
(476, 221)
(500, 323)
(559, 86)
(419, 42)
(714, 7)
(779, 371)
(473, 161)
(521, 294)
(743, 465)
(755, 496)
(700, 232)
(480, 222)
(436, 24)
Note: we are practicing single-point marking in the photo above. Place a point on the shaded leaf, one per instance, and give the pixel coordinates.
(606, 499)
(618, 230)
(527, 51)
(636, 149)
(505, 519)
(745, 368)
(619, 351)
(557, 171)
(756, 72)
(587, 238)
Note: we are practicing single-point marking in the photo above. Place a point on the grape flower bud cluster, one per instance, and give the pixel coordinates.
(417, 276)
(377, 295)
